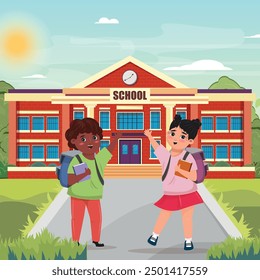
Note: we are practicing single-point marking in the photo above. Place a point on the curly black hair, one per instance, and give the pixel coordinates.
(86, 125)
(191, 127)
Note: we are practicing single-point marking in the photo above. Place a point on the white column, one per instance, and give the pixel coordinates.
(169, 119)
(90, 110)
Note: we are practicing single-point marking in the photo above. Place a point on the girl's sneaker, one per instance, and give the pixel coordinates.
(152, 240)
(188, 246)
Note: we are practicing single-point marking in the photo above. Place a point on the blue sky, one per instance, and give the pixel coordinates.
(195, 42)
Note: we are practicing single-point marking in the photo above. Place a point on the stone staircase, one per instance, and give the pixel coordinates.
(133, 171)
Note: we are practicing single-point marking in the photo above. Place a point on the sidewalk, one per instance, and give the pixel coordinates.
(128, 219)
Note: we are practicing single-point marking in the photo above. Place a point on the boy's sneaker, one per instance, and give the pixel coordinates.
(152, 240)
(188, 246)
(98, 244)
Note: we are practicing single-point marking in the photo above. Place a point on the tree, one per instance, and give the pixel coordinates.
(4, 87)
(225, 82)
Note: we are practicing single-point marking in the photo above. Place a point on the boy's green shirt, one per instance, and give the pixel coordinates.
(90, 189)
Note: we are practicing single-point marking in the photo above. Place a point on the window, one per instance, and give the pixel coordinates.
(208, 152)
(78, 115)
(23, 123)
(104, 143)
(155, 120)
(207, 123)
(23, 152)
(152, 154)
(37, 123)
(236, 123)
(104, 120)
(52, 152)
(130, 121)
(135, 149)
(221, 123)
(52, 123)
(221, 152)
(124, 149)
(236, 152)
(183, 114)
(38, 152)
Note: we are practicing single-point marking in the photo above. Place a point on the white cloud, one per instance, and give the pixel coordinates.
(200, 65)
(35, 76)
(256, 36)
(105, 20)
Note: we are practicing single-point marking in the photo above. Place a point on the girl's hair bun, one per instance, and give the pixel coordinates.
(177, 118)
(196, 123)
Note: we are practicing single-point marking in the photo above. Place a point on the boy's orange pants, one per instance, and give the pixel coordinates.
(78, 207)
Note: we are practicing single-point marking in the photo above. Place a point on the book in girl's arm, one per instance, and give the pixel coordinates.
(184, 165)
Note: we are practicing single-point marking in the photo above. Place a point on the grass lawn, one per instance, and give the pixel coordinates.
(20, 198)
(243, 195)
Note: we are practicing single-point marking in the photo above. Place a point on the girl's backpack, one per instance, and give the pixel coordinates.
(198, 156)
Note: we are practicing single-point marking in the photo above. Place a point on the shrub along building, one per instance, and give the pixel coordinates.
(128, 96)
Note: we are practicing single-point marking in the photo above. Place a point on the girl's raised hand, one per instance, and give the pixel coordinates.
(148, 133)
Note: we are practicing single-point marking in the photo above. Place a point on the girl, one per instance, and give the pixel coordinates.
(180, 191)
(85, 135)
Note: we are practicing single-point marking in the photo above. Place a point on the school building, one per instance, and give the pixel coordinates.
(129, 96)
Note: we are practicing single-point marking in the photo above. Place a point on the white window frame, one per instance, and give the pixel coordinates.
(39, 159)
(78, 111)
(221, 159)
(236, 159)
(52, 159)
(53, 131)
(208, 131)
(105, 111)
(104, 140)
(44, 125)
(150, 156)
(24, 159)
(156, 111)
(141, 129)
(236, 131)
(23, 131)
(219, 130)
(209, 159)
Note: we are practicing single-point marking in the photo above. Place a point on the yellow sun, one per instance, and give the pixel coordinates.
(17, 44)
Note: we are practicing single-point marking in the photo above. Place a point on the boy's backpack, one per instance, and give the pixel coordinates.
(198, 156)
(65, 160)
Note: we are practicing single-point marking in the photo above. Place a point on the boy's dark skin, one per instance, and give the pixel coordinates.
(89, 144)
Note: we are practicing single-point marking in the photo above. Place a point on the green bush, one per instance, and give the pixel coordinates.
(3, 170)
(221, 164)
(38, 164)
(236, 249)
(257, 170)
(43, 247)
(52, 165)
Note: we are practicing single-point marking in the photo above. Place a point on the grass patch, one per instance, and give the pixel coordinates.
(42, 247)
(22, 202)
(240, 199)
(236, 249)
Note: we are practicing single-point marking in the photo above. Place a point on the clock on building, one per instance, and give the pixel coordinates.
(129, 77)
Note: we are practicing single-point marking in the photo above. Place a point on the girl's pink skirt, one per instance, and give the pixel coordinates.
(177, 202)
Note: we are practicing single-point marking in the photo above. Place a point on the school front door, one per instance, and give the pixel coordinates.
(130, 151)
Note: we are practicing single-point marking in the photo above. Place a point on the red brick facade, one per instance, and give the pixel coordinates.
(164, 96)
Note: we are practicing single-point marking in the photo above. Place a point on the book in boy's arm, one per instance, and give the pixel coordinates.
(79, 169)
(184, 165)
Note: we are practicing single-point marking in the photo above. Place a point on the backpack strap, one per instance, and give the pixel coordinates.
(98, 173)
(167, 169)
(185, 155)
(79, 159)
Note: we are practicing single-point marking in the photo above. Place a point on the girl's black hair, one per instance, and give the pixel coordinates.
(189, 126)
